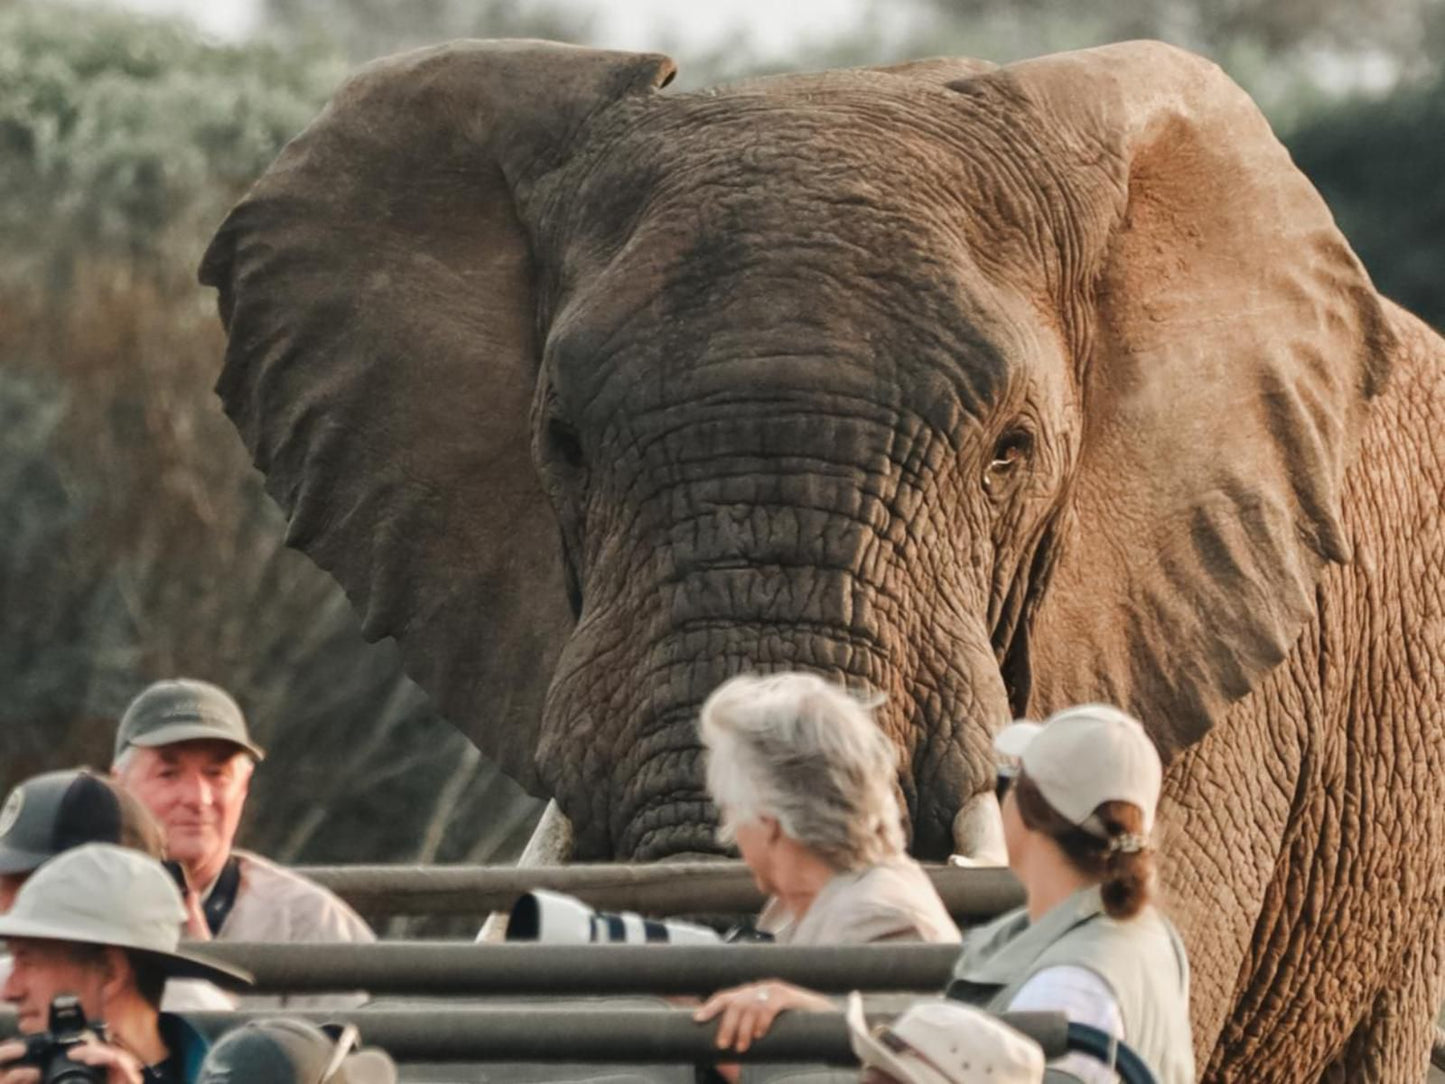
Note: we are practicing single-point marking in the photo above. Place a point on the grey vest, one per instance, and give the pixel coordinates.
(1141, 959)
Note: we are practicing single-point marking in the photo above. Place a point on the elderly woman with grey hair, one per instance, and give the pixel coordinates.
(805, 783)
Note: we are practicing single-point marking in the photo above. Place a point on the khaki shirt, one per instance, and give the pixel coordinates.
(892, 901)
(275, 904)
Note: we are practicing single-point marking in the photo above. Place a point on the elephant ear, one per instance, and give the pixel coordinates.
(377, 288)
(1227, 353)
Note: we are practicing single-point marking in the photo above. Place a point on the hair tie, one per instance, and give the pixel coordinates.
(1127, 844)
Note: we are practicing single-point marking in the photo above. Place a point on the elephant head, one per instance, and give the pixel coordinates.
(989, 389)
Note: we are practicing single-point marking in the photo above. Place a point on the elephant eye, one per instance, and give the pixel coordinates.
(1012, 448)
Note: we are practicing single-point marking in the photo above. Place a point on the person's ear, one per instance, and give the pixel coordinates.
(116, 973)
(772, 828)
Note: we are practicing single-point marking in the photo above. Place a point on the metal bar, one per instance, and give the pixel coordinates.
(436, 968)
(592, 1035)
(670, 888)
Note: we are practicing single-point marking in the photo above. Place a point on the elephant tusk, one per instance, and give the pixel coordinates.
(550, 845)
(978, 833)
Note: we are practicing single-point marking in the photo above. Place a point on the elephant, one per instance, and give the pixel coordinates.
(989, 389)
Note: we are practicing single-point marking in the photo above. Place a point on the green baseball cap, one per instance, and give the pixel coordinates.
(183, 709)
(285, 1051)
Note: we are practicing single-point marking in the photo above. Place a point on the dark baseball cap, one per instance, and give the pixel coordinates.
(286, 1051)
(52, 813)
(183, 709)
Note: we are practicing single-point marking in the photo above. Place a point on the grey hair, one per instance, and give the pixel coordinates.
(122, 762)
(810, 755)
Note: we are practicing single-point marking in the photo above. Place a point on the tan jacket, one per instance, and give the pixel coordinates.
(892, 901)
(276, 904)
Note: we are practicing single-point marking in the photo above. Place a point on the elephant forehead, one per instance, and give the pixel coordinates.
(767, 238)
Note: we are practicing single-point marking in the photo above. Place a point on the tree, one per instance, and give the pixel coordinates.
(1378, 163)
(135, 539)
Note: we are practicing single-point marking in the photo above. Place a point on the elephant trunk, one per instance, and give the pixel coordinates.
(621, 749)
(776, 530)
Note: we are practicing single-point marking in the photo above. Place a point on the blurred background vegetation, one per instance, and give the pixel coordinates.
(135, 541)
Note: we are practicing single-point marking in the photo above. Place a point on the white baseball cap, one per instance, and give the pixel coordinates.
(1081, 757)
(945, 1042)
(102, 894)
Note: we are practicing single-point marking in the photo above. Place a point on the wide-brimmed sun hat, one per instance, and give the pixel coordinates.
(284, 1051)
(945, 1042)
(1081, 757)
(102, 894)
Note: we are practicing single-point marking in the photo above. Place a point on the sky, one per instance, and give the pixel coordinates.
(772, 25)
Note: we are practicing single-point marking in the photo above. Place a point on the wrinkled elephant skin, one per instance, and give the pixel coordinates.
(989, 389)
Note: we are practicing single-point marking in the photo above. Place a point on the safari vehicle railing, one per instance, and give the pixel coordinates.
(670, 888)
(636, 1036)
(450, 968)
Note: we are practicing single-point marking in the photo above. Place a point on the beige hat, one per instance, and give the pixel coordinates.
(102, 894)
(945, 1042)
(1083, 756)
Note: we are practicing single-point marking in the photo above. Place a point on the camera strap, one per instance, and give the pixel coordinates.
(222, 897)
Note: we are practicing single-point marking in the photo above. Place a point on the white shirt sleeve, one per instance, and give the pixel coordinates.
(1085, 998)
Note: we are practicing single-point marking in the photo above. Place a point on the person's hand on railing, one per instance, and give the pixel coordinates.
(747, 1012)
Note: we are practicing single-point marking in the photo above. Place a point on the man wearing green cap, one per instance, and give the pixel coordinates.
(184, 750)
(101, 924)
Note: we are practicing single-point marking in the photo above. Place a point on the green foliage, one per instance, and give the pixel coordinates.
(364, 29)
(1379, 165)
(117, 129)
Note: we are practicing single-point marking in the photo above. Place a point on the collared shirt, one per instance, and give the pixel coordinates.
(277, 904)
(187, 1048)
(891, 901)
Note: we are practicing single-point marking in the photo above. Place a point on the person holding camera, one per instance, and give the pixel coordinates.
(183, 749)
(805, 783)
(1079, 794)
(94, 936)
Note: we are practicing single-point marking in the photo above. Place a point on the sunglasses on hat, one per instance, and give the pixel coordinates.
(1004, 777)
(347, 1038)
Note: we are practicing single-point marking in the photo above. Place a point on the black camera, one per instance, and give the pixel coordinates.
(50, 1050)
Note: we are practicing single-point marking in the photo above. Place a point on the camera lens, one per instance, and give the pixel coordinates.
(62, 1070)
